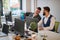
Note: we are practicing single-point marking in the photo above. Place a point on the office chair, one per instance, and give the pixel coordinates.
(56, 26)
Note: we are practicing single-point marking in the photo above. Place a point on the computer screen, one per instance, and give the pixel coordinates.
(8, 17)
(19, 27)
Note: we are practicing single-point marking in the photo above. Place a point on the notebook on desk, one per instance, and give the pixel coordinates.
(4, 30)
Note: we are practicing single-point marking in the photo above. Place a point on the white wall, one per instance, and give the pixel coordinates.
(28, 5)
(53, 4)
(32, 5)
(24, 5)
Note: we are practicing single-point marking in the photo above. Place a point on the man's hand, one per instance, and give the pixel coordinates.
(40, 28)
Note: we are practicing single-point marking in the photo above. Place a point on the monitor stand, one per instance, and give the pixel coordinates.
(15, 32)
(26, 36)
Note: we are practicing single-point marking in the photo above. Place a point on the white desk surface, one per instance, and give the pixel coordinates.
(50, 36)
(9, 37)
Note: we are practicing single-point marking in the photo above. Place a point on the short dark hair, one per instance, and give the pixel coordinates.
(47, 8)
(38, 8)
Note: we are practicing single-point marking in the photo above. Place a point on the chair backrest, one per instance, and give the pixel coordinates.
(56, 26)
(5, 29)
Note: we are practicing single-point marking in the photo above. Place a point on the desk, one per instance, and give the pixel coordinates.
(50, 36)
(9, 37)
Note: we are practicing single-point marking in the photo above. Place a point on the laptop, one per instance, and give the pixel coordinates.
(5, 30)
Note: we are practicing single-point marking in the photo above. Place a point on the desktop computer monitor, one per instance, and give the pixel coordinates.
(19, 27)
(8, 17)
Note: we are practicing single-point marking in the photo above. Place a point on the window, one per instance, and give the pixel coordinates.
(11, 5)
(14, 5)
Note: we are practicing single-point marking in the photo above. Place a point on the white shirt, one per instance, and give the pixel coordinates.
(52, 23)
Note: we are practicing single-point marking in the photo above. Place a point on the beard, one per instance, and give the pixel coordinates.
(43, 13)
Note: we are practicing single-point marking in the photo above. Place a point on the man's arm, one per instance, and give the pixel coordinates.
(51, 24)
(40, 23)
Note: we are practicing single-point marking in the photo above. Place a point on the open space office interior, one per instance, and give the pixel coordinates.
(29, 19)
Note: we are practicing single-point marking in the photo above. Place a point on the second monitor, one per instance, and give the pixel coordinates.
(19, 27)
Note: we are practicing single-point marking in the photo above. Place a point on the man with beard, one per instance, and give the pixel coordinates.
(48, 22)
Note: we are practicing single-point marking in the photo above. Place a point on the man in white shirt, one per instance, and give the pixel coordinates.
(48, 22)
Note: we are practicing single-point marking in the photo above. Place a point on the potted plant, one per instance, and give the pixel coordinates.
(33, 26)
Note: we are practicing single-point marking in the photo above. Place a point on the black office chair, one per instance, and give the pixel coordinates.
(28, 13)
(8, 18)
(5, 29)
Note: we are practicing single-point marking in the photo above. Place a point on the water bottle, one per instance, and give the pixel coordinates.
(22, 16)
